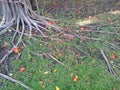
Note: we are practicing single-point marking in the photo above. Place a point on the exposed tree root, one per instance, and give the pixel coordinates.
(19, 17)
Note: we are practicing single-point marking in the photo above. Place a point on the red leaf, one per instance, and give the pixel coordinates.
(22, 69)
(112, 56)
(75, 79)
(16, 50)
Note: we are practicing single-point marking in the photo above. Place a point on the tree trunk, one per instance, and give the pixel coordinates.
(18, 14)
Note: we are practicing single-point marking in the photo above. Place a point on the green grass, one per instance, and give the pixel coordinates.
(43, 73)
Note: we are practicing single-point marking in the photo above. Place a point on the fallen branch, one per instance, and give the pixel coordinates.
(57, 60)
(5, 56)
(98, 31)
(15, 81)
(107, 62)
(84, 37)
(108, 65)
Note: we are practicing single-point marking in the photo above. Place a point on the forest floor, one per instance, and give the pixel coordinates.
(90, 61)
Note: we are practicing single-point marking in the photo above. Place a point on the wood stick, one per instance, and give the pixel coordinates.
(57, 61)
(107, 62)
(15, 81)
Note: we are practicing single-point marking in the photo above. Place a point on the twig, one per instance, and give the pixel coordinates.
(15, 81)
(49, 10)
(5, 56)
(57, 61)
(84, 37)
(97, 31)
(107, 62)
(80, 50)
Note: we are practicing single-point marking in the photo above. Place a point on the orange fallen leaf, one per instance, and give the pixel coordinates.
(22, 69)
(59, 55)
(16, 50)
(51, 23)
(112, 56)
(75, 79)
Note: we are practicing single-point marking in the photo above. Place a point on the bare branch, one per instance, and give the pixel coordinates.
(15, 81)
(58, 61)
(107, 62)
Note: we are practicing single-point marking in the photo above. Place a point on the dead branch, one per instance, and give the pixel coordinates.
(15, 81)
(52, 57)
(107, 62)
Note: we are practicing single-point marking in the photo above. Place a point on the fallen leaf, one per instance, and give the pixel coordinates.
(71, 74)
(10, 74)
(42, 83)
(75, 79)
(111, 62)
(55, 70)
(40, 45)
(5, 44)
(16, 50)
(112, 56)
(59, 55)
(82, 28)
(57, 88)
(51, 23)
(22, 69)
(82, 62)
(9, 30)
(46, 72)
